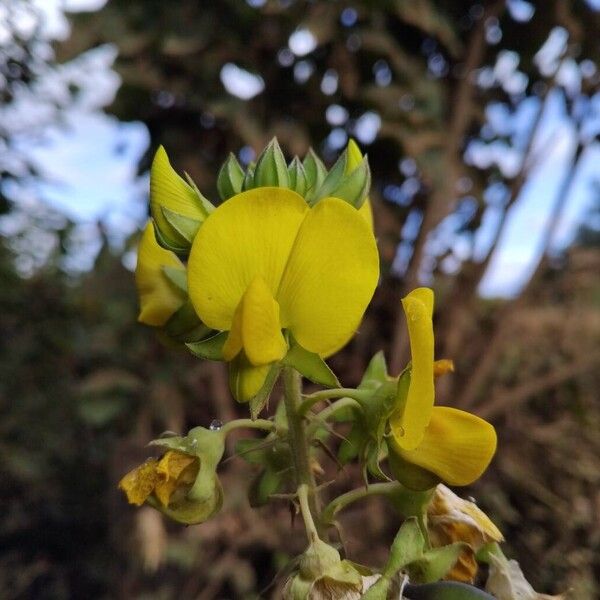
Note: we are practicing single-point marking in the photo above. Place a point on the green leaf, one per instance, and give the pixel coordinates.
(310, 365)
(375, 374)
(260, 400)
(436, 563)
(444, 590)
(297, 176)
(268, 482)
(271, 168)
(184, 226)
(230, 178)
(210, 348)
(178, 277)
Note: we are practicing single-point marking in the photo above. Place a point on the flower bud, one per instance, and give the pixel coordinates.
(271, 168)
(323, 575)
(177, 207)
(315, 173)
(230, 178)
(297, 177)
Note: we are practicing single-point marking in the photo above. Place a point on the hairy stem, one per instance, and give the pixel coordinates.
(309, 401)
(298, 439)
(248, 423)
(309, 523)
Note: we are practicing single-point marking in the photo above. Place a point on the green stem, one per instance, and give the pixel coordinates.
(309, 523)
(298, 438)
(310, 400)
(330, 410)
(374, 489)
(248, 423)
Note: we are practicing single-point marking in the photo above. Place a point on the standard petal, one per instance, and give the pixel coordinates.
(330, 277)
(169, 190)
(256, 327)
(159, 298)
(408, 423)
(249, 235)
(457, 446)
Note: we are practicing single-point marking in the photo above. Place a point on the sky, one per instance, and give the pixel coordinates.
(89, 161)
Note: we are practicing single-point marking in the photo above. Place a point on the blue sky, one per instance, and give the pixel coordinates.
(89, 164)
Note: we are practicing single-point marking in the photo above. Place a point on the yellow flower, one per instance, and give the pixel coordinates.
(165, 484)
(453, 444)
(159, 297)
(451, 519)
(264, 261)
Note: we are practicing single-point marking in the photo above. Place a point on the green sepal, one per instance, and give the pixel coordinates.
(210, 348)
(444, 590)
(230, 178)
(412, 476)
(315, 173)
(297, 176)
(185, 326)
(248, 182)
(184, 226)
(206, 205)
(258, 402)
(177, 248)
(178, 277)
(406, 548)
(311, 365)
(271, 168)
(436, 563)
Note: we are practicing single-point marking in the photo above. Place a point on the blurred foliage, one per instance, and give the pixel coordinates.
(83, 387)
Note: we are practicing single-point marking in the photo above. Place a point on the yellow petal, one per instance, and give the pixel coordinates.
(245, 380)
(159, 298)
(173, 470)
(330, 277)
(139, 483)
(169, 190)
(249, 235)
(409, 422)
(354, 159)
(457, 446)
(256, 327)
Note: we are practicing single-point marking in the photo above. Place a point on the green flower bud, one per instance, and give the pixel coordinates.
(323, 575)
(297, 177)
(230, 178)
(248, 182)
(271, 168)
(315, 173)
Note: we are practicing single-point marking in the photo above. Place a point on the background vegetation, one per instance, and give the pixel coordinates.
(83, 388)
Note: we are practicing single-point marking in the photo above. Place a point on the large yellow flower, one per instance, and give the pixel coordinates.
(264, 261)
(453, 444)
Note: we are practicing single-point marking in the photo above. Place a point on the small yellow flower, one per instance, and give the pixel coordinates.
(453, 444)
(159, 298)
(165, 483)
(451, 519)
(264, 261)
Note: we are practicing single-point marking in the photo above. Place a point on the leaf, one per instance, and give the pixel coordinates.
(436, 563)
(184, 226)
(444, 590)
(310, 365)
(210, 348)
